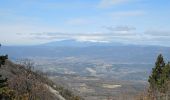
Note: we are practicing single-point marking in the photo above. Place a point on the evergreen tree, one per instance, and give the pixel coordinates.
(159, 80)
(165, 77)
(156, 79)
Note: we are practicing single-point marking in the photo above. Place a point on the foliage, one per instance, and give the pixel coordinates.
(25, 84)
(5, 92)
(159, 79)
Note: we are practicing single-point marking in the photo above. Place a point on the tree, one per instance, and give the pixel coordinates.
(3, 82)
(159, 80)
(155, 79)
(2, 62)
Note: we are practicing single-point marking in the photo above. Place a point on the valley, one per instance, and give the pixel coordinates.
(95, 72)
(94, 79)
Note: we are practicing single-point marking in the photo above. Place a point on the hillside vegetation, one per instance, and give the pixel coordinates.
(159, 81)
(20, 82)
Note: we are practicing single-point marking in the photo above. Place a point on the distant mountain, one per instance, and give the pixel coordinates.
(115, 52)
(75, 43)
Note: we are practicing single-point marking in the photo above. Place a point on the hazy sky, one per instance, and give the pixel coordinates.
(127, 21)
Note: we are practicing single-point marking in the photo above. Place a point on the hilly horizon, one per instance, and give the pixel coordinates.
(77, 43)
(66, 48)
(85, 49)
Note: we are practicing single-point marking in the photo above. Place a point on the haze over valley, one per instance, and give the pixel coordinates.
(92, 70)
(84, 50)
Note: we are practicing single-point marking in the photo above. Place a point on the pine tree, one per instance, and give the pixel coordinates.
(159, 80)
(156, 79)
(165, 77)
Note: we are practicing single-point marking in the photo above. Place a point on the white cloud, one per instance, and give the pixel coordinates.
(129, 38)
(92, 37)
(120, 28)
(122, 35)
(158, 32)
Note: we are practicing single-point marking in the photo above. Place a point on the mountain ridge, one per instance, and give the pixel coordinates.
(117, 53)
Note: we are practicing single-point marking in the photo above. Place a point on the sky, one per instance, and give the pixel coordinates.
(31, 22)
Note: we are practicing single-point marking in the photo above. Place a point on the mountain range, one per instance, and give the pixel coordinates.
(116, 52)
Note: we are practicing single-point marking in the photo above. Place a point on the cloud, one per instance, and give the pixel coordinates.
(119, 28)
(93, 37)
(64, 36)
(110, 3)
(92, 34)
(158, 32)
(123, 34)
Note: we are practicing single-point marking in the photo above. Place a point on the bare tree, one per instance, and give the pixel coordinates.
(28, 85)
